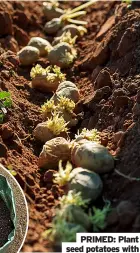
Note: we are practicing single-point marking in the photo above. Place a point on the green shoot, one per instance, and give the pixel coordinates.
(73, 198)
(61, 231)
(5, 102)
(62, 177)
(99, 218)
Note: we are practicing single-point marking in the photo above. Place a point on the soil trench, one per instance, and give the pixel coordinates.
(107, 74)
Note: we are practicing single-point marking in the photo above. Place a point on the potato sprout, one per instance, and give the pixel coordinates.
(91, 135)
(73, 198)
(56, 124)
(63, 176)
(48, 107)
(66, 37)
(53, 151)
(46, 79)
(66, 104)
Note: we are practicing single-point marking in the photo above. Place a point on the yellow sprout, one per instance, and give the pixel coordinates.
(66, 37)
(37, 71)
(49, 106)
(66, 104)
(68, 58)
(57, 124)
(91, 135)
(82, 30)
(58, 73)
(73, 198)
(62, 177)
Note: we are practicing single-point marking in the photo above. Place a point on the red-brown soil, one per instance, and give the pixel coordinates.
(108, 76)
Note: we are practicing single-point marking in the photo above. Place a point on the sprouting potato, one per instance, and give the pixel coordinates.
(92, 156)
(67, 89)
(28, 55)
(53, 151)
(53, 127)
(53, 26)
(62, 55)
(75, 214)
(40, 44)
(46, 79)
(51, 11)
(87, 182)
(73, 29)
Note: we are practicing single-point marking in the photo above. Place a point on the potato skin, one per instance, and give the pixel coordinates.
(42, 133)
(53, 151)
(40, 44)
(41, 83)
(28, 55)
(67, 89)
(52, 26)
(57, 54)
(86, 182)
(92, 156)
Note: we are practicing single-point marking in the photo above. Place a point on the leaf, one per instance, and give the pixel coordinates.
(4, 94)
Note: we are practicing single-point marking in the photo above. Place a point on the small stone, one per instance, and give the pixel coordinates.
(103, 79)
(20, 19)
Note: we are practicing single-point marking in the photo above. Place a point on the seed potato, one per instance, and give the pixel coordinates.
(28, 55)
(45, 84)
(74, 30)
(62, 55)
(53, 151)
(67, 89)
(53, 26)
(40, 44)
(92, 156)
(86, 182)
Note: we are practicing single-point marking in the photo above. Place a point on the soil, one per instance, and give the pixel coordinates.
(107, 74)
(6, 225)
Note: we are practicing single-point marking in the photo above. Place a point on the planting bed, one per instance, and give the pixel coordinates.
(107, 74)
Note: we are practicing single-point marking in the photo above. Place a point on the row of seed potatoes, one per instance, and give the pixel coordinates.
(85, 158)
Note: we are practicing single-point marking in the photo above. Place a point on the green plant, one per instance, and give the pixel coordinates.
(62, 177)
(61, 231)
(98, 219)
(91, 135)
(5, 102)
(56, 124)
(73, 198)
